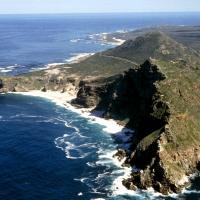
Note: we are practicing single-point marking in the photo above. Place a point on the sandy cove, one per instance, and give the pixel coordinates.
(64, 99)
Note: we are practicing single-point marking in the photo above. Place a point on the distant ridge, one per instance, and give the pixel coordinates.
(156, 45)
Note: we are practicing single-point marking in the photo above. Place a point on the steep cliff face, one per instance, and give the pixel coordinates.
(92, 92)
(133, 98)
(163, 108)
(159, 99)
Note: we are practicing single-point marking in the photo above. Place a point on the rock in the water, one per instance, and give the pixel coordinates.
(120, 155)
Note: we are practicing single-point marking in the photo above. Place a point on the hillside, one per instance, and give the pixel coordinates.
(150, 84)
(155, 45)
(187, 35)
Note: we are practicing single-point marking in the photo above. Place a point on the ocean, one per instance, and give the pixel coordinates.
(49, 152)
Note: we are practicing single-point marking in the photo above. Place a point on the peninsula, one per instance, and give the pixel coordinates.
(150, 84)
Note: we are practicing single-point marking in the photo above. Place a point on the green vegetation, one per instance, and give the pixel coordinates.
(150, 84)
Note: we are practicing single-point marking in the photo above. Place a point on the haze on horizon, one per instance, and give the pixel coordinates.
(96, 6)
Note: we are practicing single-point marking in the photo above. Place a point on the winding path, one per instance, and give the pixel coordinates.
(119, 58)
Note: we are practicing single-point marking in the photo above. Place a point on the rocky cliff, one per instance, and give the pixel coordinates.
(165, 114)
(159, 98)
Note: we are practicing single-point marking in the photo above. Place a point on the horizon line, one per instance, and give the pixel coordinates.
(120, 12)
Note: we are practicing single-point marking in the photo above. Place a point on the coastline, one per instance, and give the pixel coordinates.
(110, 126)
(78, 57)
(63, 100)
(105, 39)
(74, 58)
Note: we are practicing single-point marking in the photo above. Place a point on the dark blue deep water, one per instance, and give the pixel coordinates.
(49, 153)
(46, 151)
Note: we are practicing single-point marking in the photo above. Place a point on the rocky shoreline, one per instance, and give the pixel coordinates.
(159, 99)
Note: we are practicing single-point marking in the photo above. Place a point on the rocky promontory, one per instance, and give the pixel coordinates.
(150, 84)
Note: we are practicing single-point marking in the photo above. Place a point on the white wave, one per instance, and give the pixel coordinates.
(117, 41)
(80, 194)
(50, 121)
(5, 70)
(77, 57)
(67, 124)
(71, 149)
(75, 40)
(91, 164)
(98, 199)
(82, 180)
(191, 192)
(100, 176)
(105, 40)
(110, 126)
(26, 116)
(53, 65)
(33, 69)
(122, 31)
(47, 66)
(74, 151)
(106, 158)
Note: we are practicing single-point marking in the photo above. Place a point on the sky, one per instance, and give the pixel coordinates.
(96, 6)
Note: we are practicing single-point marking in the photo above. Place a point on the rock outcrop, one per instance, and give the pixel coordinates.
(160, 100)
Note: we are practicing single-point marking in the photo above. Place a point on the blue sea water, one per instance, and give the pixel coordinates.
(46, 151)
(31, 41)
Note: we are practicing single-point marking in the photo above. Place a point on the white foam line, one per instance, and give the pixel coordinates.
(75, 40)
(53, 65)
(63, 99)
(5, 70)
(111, 126)
(118, 41)
(117, 187)
(77, 57)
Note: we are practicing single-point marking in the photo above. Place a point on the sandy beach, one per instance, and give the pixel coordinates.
(63, 99)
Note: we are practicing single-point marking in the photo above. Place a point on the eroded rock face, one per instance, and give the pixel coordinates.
(120, 155)
(92, 92)
(139, 99)
(1, 84)
(133, 99)
(88, 95)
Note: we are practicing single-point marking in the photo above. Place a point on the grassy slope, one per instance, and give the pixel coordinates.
(181, 90)
(180, 150)
(188, 35)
